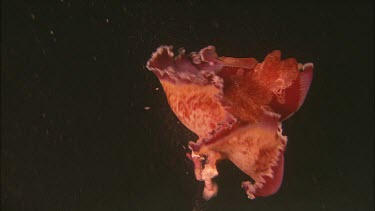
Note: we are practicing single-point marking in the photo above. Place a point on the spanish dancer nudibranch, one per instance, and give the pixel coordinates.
(235, 106)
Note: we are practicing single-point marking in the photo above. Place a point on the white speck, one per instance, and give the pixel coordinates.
(107, 20)
(51, 32)
(157, 88)
(32, 16)
(94, 58)
(147, 108)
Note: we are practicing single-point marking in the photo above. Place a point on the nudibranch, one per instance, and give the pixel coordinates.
(235, 106)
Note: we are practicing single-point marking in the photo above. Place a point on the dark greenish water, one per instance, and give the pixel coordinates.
(75, 134)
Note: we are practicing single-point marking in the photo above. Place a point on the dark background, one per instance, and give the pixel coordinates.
(75, 134)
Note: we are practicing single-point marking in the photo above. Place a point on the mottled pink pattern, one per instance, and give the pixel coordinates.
(235, 106)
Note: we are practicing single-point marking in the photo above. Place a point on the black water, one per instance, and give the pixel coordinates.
(75, 134)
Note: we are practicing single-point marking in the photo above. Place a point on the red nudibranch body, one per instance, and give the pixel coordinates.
(235, 106)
